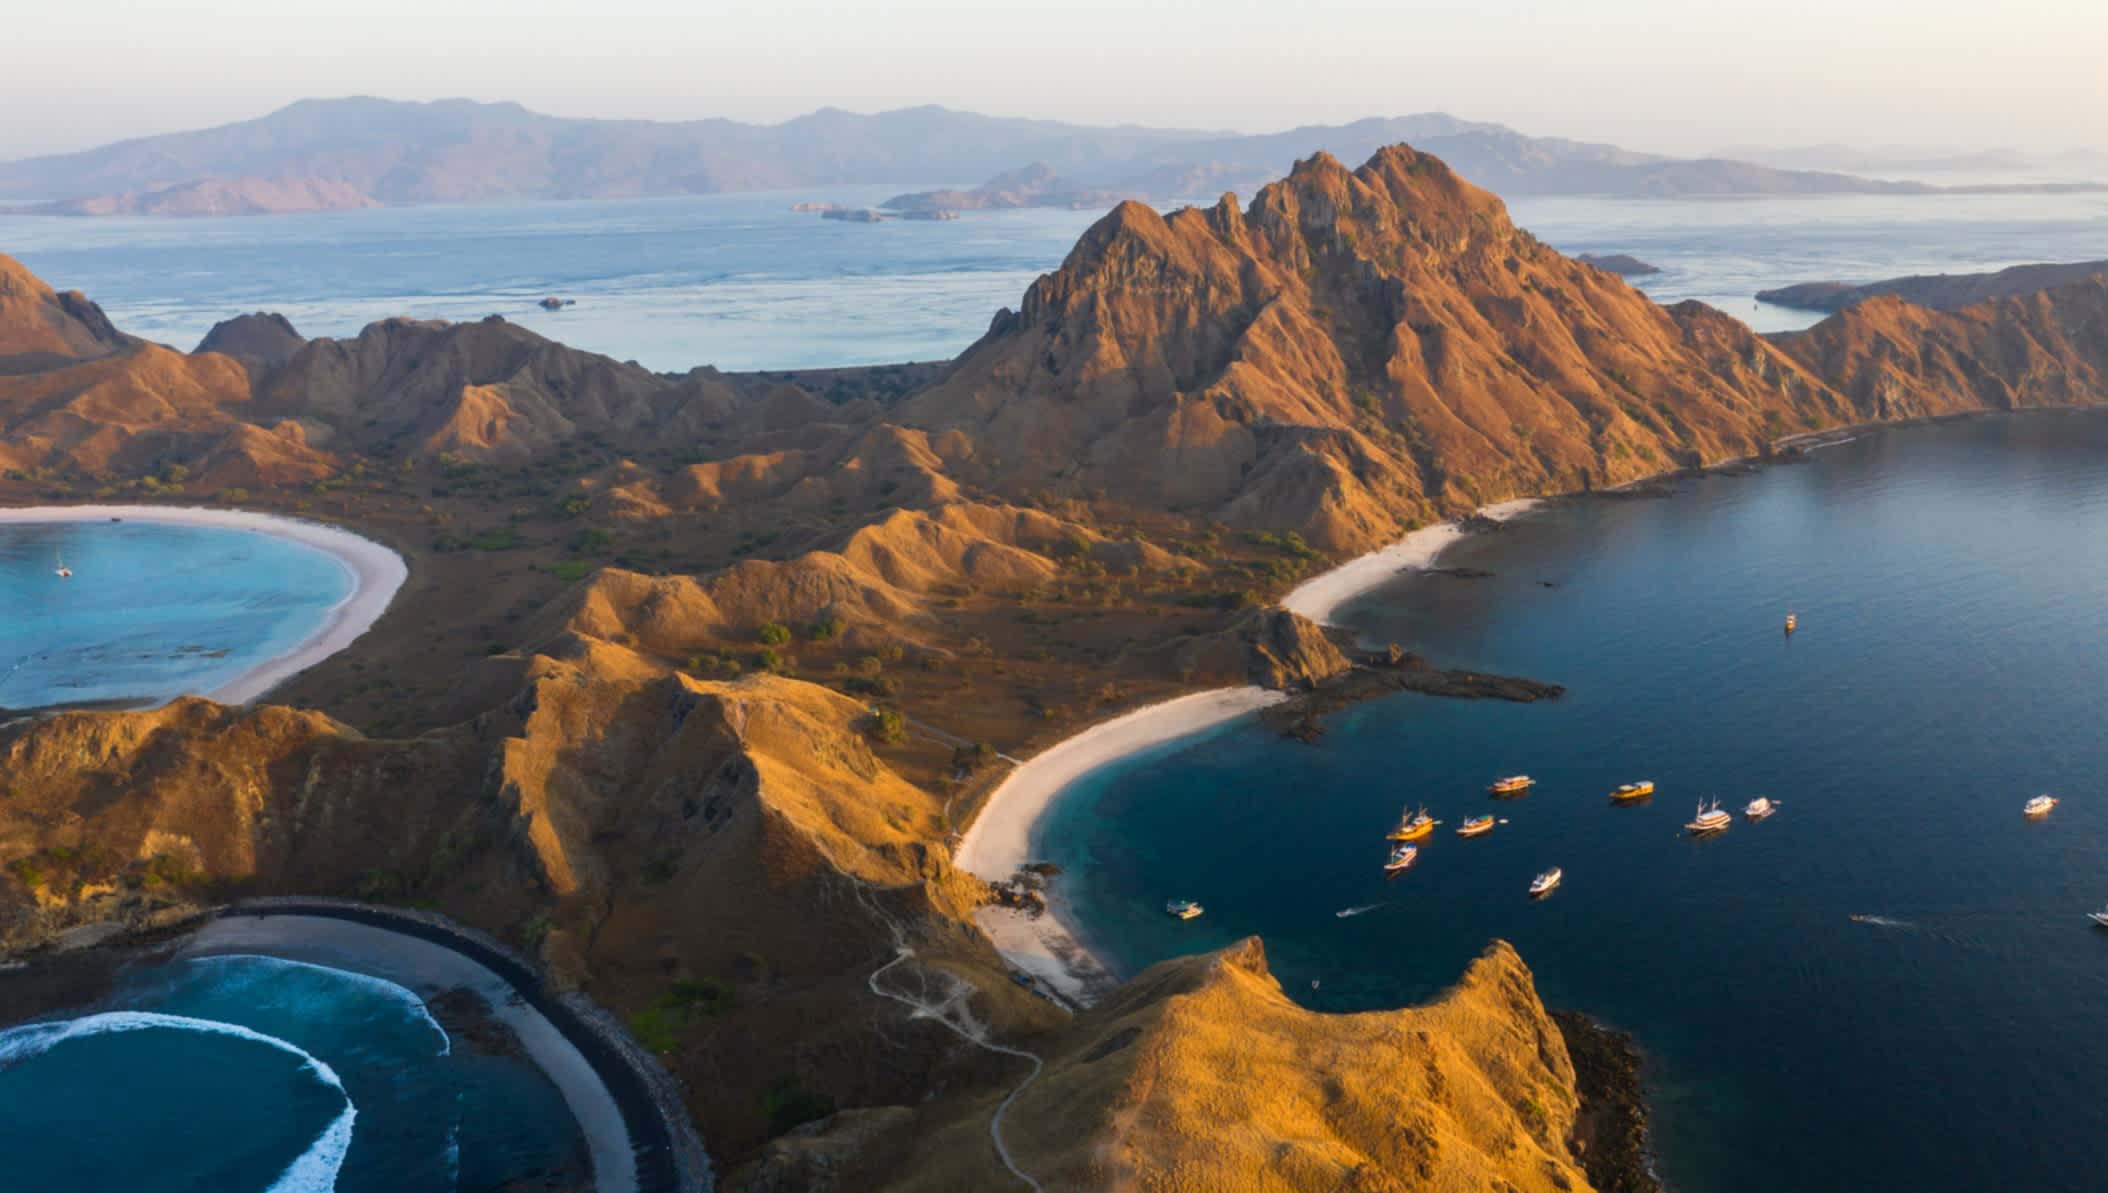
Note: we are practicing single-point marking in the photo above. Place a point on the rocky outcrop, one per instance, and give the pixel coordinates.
(1622, 264)
(1941, 292)
(261, 341)
(41, 328)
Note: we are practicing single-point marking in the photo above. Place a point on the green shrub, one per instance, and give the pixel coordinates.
(774, 634)
(789, 1104)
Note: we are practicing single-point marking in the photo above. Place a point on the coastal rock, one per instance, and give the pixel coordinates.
(41, 328)
(1289, 651)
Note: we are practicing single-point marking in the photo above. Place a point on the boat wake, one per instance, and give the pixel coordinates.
(1882, 921)
(1349, 912)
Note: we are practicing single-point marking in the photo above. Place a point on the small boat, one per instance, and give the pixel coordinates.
(1183, 909)
(2041, 805)
(62, 571)
(1475, 826)
(1710, 819)
(2099, 917)
(1413, 825)
(1401, 857)
(1545, 883)
(1627, 792)
(1760, 807)
(1511, 785)
(1792, 622)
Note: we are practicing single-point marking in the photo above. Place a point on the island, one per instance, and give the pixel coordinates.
(1944, 292)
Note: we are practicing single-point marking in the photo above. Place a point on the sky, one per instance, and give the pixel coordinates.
(1676, 76)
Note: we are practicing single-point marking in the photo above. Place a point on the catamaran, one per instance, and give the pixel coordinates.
(1710, 818)
(1401, 857)
(2039, 806)
(1511, 785)
(1626, 792)
(1183, 909)
(1545, 883)
(1475, 826)
(1413, 825)
(1760, 807)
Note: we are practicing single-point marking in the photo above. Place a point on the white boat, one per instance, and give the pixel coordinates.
(1401, 857)
(1545, 883)
(1710, 818)
(1183, 909)
(1792, 623)
(2039, 806)
(2099, 917)
(1511, 785)
(62, 571)
(1760, 807)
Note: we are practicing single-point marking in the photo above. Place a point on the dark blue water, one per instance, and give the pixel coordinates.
(241, 1074)
(152, 610)
(1950, 582)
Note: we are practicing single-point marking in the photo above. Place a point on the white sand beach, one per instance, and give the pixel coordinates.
(1321, 596)
(377, 573)
(1000, 838)
(429, 969)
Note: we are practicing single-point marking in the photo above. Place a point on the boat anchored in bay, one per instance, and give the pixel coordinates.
(1760, 807)
(1547, 882)
(1401, 857)
(1511, 785)
(1710, 819)
(2040, 806)
(1183, 909)
(1626, 793)
(1476, 826)
(1412, 826)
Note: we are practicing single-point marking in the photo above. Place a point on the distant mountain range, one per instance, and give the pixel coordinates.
(361, 151)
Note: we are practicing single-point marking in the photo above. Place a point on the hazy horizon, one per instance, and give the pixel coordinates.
(1645, 74)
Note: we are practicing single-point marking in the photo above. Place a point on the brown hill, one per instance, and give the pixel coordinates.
(1941, 292)
(1352, 353)
(219, 197)
(1896, 360)
(40, 328)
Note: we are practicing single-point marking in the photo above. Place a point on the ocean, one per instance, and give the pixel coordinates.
(152, 610)
(1952, 639)
(742, 282)
(246, 1074)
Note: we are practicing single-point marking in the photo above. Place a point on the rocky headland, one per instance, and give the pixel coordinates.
(1940, 292)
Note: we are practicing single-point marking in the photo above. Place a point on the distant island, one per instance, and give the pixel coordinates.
(1622, 264)
(1940, 291)
(328, 154)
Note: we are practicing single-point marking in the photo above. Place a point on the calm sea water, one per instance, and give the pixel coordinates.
(252, 1074)
(1950, 663)
(152, 611)
(743, 282)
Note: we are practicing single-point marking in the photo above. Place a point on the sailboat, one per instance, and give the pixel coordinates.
(62, 571)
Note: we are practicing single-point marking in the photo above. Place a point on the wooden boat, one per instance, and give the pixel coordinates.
(1401, 857)
(1183, 909)
(2041, 805)
(1547, 882)
(1760, 807)
(1475, 826)
(1511, 785)
(1412, 826)
(1710, 819)
(1625, 793)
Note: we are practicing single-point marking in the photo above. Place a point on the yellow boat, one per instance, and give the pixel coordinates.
(1413, 826)
(1633, 791)
(1512, 785)
(1475, 826)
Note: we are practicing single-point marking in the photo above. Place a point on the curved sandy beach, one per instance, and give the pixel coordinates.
(377, 573)
(427, 969)
(999, 840)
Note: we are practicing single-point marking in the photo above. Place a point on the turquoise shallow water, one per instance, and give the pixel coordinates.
(238, 1074)
(1950, 583)
(152, 610)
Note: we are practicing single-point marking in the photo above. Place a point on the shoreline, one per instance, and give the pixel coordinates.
(377, 574)
(1050, 946)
